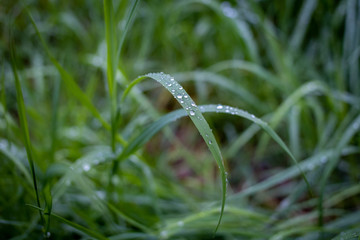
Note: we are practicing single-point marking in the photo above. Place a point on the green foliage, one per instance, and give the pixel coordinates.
(91, 151)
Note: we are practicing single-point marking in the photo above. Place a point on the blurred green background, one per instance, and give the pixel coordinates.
(294, 64)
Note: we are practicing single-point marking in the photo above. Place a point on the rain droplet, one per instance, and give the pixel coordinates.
(185, 96)
(86, 167)
(219, 107)
(210, 142)
(179, 96)
(180, 223)
(169, 84)
(48, 234)
(323, 159)
(164, 234)
(180, 88)
(193, 104)
(192, 113)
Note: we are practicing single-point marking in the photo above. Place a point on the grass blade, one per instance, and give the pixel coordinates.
(198, 119)
(129, 20)
(110, 34)
(24, 126)
(352, 129)
(82, 229)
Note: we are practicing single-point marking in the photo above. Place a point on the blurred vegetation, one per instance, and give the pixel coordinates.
(294, 64)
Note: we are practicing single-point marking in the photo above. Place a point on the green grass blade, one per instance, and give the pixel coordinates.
(217, 79)
(110, 33)
(24, 126)
(48, 209)
(302, 23)
(198, 119)
(151, 130)
(250, 67)
(169, 83)
(82, 229)
(129, 20)
(352, 129)
(128, 219)
(281, 111)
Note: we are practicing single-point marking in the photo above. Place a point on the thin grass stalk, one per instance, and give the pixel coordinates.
(110, 35)
(54, 122)
(24, 126)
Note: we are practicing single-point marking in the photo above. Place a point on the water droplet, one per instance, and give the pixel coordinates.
(48, 234)
(210, 142)
(181, 101)
(252, 116)
(169, 84)
(179, 96)
(228, 10)
(193, 104)
(219, 107)
(185, 96)
(323, 159)
(172, 79)
(86, 167)
(180, 223)
(164, 234)
(192, 113)
(180, 88)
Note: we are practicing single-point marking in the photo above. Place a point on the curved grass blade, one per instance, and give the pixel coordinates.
(24, 126)
(205, 76)
(280, 113)
(82, 229)
(151, 130)
(198, 119)
(250, 67)
(155, 127)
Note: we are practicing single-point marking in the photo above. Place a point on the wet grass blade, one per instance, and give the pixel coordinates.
(198, 119)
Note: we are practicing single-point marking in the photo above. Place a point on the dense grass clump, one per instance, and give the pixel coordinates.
(252, 132)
